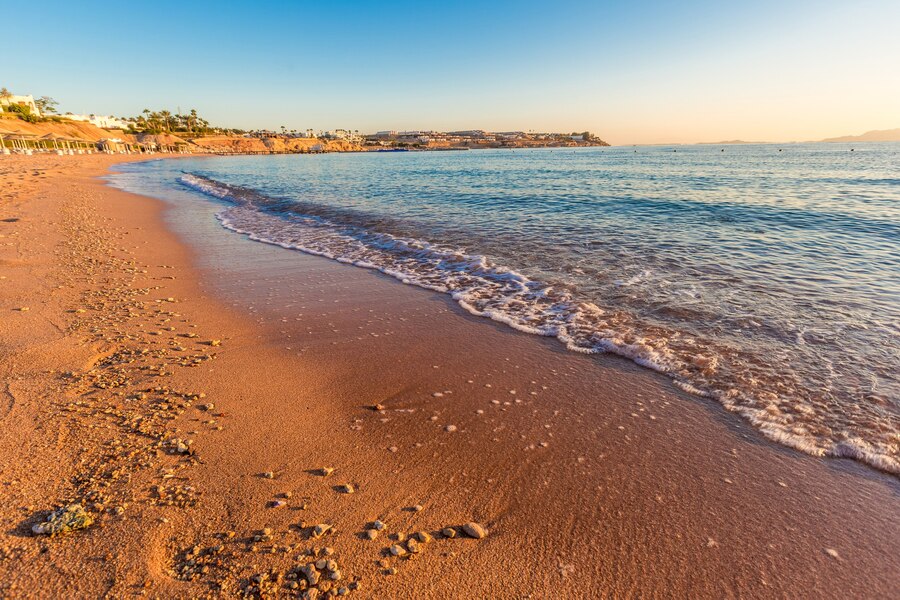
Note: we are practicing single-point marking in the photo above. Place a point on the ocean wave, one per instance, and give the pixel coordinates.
(782, 412)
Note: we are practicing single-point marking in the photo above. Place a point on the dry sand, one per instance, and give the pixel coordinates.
(183, 393)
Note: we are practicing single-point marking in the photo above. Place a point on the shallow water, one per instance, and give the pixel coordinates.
(766, 277)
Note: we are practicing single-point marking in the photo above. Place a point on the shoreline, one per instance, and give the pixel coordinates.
(605, 481)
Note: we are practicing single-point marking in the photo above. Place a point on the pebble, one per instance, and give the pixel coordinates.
(448, 532)
(832, 553)
(379, 525)
(423, 536)
(320, 529)
(326, 471)
(347, 489)
(450, 428)
(398, 550)
(474, 530)
(371, 534)
(413, 546)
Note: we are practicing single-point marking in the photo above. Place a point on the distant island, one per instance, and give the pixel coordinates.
(878, 135)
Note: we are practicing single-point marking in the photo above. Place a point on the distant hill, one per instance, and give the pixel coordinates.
(880, 135)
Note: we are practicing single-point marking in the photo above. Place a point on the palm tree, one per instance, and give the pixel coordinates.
(191, 119)
(166, 118)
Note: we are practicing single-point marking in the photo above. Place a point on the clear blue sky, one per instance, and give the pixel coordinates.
(635, 72)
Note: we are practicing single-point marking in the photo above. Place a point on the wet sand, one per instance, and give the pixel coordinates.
(592, 477)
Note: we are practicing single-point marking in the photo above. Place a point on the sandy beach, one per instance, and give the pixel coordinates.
(228, 413)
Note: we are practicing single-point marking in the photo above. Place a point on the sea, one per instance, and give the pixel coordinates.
(764, 277)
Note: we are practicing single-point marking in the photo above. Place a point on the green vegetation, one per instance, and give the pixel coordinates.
(164, 121)
(46, 105)
(23, 112)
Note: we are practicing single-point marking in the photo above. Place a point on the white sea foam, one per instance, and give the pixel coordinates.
(493, 291)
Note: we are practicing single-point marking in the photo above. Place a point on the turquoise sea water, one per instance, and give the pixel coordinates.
(766, 277)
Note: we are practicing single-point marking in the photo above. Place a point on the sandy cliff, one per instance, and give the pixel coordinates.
(75, 129)
(237, 144)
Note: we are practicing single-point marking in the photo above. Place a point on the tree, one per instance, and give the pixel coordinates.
(166, 118)
(46, 104)
(5, 93)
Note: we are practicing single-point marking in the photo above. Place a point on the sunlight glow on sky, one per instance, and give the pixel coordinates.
(641, 72)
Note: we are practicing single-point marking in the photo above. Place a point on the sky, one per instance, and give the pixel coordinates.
(630, 72)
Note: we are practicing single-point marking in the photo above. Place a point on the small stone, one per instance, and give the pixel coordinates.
(379, 525)
(423, 536)
(335, 575)
(832, 553)
(474, 530)
(448, 532)
(371, 534)
(312, 576)
(450, 428)
(63, 520)
(413, 546)
(398, 550)
(378, 407)
(326, 471)
(418, 508)
(346, 488)
(320, 529)
(215, 342)
(23, 309)
(321, 564)
(269, 475)
(311, 594)
(278, 504)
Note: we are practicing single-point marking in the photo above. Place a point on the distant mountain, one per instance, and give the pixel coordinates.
(881, 135)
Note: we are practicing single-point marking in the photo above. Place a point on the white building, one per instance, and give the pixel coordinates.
(104, 122)
(21, 101)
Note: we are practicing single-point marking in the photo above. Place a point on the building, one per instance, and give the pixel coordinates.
(104, 122)
(21, 101)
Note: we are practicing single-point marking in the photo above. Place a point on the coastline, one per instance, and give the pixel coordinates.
(606, 481)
